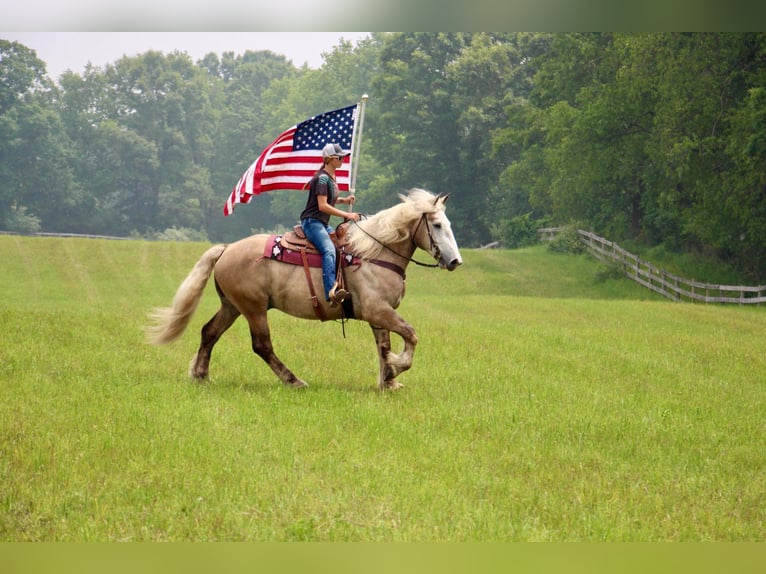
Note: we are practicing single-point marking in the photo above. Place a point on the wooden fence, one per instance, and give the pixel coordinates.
(660, 281)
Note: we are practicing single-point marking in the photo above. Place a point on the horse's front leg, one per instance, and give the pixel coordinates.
(392, 364)
(383, 344)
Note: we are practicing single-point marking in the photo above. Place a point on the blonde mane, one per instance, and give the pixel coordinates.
(391, 225)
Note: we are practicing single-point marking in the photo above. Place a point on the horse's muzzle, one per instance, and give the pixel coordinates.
(451, 265)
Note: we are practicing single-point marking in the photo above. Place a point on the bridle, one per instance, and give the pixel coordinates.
(393, 266)
(431, 241)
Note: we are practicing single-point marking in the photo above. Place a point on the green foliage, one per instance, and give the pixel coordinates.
(519, 231)
(567, 240)
(22, 74)
(612, 139)
(19, 221)
(36, 179)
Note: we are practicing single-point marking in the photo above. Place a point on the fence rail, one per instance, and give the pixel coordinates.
(45, 234)
(660, 281)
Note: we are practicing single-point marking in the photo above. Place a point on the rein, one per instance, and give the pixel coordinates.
(412, 238)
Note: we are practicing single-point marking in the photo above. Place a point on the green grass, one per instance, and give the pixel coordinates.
(548, 400)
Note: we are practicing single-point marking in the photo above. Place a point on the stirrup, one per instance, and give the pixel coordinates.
(338, 294)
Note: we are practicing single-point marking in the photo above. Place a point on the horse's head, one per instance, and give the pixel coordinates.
(433, 233)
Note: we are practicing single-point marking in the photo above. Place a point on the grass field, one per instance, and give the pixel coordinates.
(549, 401)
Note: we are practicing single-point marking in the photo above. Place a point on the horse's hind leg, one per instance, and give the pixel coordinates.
(261, 338)
(211, 332)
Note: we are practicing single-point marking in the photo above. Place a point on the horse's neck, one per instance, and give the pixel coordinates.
(399, 253)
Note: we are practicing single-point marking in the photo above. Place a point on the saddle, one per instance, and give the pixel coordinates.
(294, 248)
(297, 238)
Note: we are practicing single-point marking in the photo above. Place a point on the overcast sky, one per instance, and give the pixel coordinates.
(63, 51)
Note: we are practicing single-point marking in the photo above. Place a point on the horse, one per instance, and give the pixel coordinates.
(250, 284)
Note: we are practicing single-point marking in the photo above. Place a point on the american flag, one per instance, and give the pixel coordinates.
(296, 155)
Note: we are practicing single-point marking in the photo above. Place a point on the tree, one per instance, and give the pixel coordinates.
(489, 76)
(143, 130)
(35, 179)
(417, 127)
(653, 137)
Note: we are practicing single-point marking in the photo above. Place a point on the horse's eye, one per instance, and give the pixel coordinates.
(437, 225)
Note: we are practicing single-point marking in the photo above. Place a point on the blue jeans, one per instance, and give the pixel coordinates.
(319, 234)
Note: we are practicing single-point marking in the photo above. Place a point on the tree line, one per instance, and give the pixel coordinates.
(658, 138)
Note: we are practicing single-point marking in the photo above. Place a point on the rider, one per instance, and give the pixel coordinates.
(315, 218)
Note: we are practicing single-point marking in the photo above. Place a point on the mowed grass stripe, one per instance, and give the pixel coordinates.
(597, 416)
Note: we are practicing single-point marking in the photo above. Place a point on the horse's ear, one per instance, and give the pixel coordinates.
(441, 197)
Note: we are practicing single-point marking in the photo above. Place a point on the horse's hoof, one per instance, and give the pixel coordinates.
(391, 386)
(298, 384)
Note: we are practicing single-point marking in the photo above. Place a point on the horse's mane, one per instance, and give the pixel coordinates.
(391, 225)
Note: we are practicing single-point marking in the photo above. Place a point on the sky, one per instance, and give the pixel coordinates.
(199, 15)
(63, 51)
(381, 15)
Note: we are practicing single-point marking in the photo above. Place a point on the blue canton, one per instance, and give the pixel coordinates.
(330, 127)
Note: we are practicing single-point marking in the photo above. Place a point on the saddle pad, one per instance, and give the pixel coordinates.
(274, 249)
(277, 250)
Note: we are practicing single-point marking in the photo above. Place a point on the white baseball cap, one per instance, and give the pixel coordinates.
(332, 149)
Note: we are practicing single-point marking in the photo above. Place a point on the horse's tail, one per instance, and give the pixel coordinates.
(169, 323)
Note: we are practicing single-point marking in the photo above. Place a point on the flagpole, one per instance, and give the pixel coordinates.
(356, 149)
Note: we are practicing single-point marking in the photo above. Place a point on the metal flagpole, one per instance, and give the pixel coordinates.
(356, 148)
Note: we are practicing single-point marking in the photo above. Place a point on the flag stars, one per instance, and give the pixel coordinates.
(336, 126)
